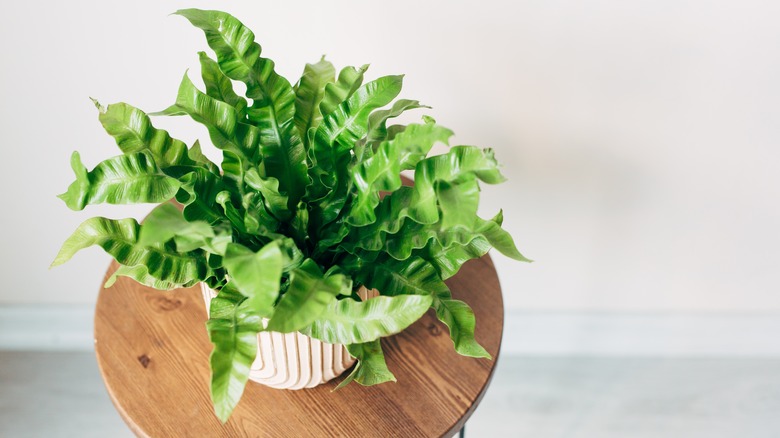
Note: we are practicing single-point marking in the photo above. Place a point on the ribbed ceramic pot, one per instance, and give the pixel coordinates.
(293, 360)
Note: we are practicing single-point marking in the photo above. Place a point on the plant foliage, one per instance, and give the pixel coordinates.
(291, 223)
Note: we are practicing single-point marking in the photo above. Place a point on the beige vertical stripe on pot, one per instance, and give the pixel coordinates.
(293, 360)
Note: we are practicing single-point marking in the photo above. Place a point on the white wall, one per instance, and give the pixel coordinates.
(640, 138)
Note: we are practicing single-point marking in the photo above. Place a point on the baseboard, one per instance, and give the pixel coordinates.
(53, 327)
(642, 334)
(46, 327)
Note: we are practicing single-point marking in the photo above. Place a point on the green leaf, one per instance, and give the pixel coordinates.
(416, 236)
(349, 80)
(222, 122)
(233, 329)
(134, 133)
(391, 215)
(499, 238)
(216, 245)
(348, 321)
(412, 236)
(409, 217)
(173, 110)
(309, 294)
(337, 92)
(419, 203)
(371, 368)
(166, 222)
(299, 225)
(219, 86)
(377, 121)
(448, 262)
(273, 108)
(399, 238)
(198, 195)
(409, 277)
(394, 130)
(275, 202)
(449, 167)
(381, 172)
(256, 274)
(257, 220)
(458, 202)
(333, 141)
(196, 154)
(140, 273)
(377, 126)
(234, 215)
(308, 95)
(331, 238)
(415, 276)
(461, 322)
(125, 179)
(323, 212)
(120, 239)
(292, 256)
(339, 130)
(233, 43)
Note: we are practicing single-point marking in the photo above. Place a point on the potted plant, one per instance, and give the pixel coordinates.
(290, 230)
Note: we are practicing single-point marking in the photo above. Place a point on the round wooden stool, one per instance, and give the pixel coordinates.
(153, 352)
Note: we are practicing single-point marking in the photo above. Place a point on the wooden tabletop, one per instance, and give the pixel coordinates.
(153, 352)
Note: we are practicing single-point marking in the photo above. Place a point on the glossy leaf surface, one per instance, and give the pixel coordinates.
(333, 141)
(196, 154)
(120, 239)
(219, 86)
(377, 126)
(274, 201)
(133, 132)
(308, 95)
(371, 368)
(408, 236)
(256, 274)
(418, 277)
(382, 171)
(420, 202)
(221, 120)
(125, 179)
(166, 222)
(355, 322)
(257, 220)
(449, 167)
(273, 107)
(349, 80)
(341, 129)
(310, 293)
(233, 329)
(448, 262)
(198, 195)
(140, 273)
(445, 184)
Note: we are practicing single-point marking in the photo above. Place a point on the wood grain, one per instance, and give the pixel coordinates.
(152, 349)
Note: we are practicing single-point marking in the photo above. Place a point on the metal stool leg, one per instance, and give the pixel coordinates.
(462, 433)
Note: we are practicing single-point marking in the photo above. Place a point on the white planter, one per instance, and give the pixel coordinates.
(293, 360)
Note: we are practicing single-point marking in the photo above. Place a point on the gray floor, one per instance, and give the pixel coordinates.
(55, 395)
(530, 397)
(631, 397)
